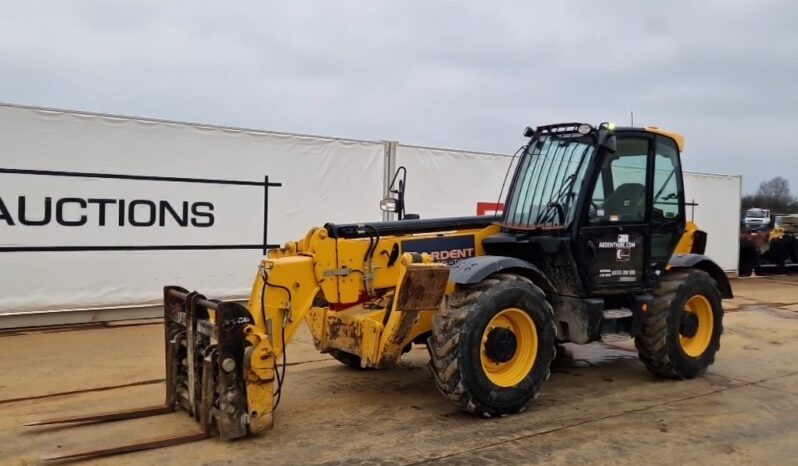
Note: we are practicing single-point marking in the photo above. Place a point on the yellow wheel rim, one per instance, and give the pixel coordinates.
(507, 370)
(697, 323)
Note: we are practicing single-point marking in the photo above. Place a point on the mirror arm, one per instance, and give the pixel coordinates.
(400, 203)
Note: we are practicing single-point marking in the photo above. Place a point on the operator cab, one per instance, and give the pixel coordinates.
(599, 209)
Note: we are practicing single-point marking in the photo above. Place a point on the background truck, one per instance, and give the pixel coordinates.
(770, 249)
(756, 219)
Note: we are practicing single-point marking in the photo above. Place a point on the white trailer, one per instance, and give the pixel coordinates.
(717, 211)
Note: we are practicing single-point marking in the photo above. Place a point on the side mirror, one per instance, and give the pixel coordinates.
(397, 187)
(389, 204)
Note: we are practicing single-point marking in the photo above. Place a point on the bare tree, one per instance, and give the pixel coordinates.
(777, 189)
(773, 194)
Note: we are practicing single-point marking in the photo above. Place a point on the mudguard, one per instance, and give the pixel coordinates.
(475, 269)
(702, 262)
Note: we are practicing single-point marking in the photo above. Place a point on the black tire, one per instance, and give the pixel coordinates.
(348, 359)
(749, 260)
(792, 248)
(778, 253)
(456, 342)
(658, 343)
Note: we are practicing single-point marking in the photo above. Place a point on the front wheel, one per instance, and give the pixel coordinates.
(749, 260)
(682, 329)
(491, 347)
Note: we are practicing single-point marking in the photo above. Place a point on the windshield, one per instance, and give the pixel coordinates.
(548, 178)
(757, 213)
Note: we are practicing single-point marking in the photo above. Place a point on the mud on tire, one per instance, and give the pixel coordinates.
(658, 343)
(455, 345)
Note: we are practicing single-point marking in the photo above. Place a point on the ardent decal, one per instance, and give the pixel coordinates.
(447, 250)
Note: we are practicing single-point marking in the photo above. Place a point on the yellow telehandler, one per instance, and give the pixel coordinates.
(592, 242)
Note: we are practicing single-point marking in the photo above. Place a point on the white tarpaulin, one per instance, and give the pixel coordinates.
(322, 180)
(447, 183)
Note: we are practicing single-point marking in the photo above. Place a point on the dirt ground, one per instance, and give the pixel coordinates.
(600, 406)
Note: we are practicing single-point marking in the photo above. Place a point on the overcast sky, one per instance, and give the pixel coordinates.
(467, 75)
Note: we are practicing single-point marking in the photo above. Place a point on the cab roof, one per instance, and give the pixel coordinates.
(663, 132)
(576, 127)
(671, 134)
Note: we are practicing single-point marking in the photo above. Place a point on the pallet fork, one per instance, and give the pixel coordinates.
(204, 340)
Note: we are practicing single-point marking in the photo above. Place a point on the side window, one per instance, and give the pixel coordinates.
(598, 192)
(666, 182)
(620, 192)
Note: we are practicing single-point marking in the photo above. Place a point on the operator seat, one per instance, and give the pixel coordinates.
(627, 201)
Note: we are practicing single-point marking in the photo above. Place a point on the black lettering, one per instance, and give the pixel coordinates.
(4, 215)
(121, 212)
(48, 201)
(131, 213)
(207, 215)
(102, 203)
(181, 220)
(201, 214)
(59, 212)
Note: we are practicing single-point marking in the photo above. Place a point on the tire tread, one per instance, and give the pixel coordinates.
(444, 348)
(652, 341)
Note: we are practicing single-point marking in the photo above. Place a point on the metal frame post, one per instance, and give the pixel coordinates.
(389, 167)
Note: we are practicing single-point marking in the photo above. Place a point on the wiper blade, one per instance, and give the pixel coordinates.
(545, 215)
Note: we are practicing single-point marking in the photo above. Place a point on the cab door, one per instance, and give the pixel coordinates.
(667, 217)
(615, 235)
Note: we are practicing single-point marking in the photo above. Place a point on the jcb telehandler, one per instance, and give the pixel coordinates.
(592, 242)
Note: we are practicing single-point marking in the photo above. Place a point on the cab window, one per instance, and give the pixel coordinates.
(620, 191)
(666, 181)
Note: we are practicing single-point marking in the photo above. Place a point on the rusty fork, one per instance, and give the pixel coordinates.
(157, 442)
(191, 377)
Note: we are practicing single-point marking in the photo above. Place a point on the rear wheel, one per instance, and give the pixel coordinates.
(777, 254)
(749, 259)
(792, 247)
(491, 348)
(681, 333)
